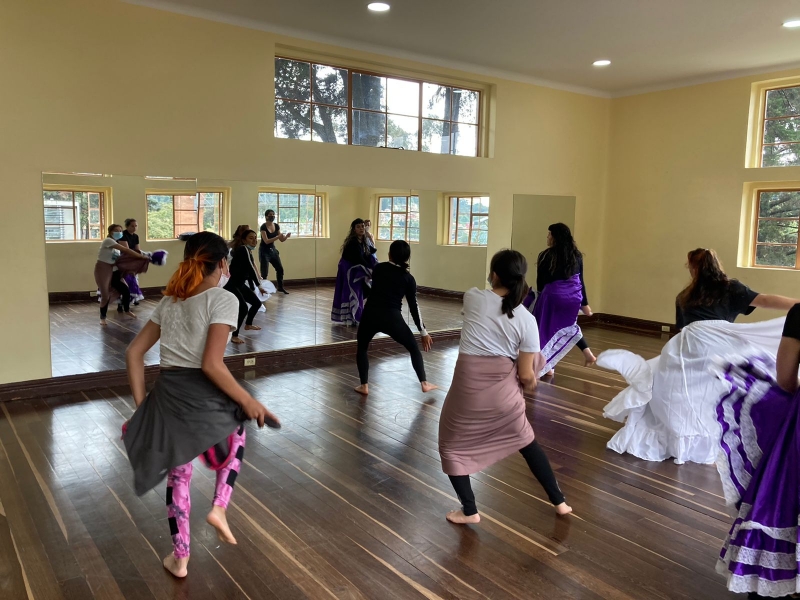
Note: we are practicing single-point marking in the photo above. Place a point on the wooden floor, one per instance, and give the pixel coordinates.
(348, 500)
(303, 318)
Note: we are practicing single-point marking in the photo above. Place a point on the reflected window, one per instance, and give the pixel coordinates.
(776, 231)
(71, 215)
(297, 213)
(469, 221)
(170, 214)
(336, 105)
(780, 145)
(398, 218)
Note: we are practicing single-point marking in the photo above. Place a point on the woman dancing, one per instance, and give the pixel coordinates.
(669, 405)
(353, 276)
(391, 281)
(759, 418)
(108, 277)
(131, 238)
(267, 252)
(237, 235)
(243, 280)
(196, 406)
(561, 296)
(483, 419)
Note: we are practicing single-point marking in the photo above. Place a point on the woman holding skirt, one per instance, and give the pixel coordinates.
(669, 404)
(353, 276)
(109, 277)
(483, 419)
(196, 407)
(561, 296)
(759, 417)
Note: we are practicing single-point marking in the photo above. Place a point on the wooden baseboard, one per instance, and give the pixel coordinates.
(630, 324)
(439, 293)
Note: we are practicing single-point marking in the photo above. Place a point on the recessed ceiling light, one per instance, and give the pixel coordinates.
(378, 6)
(601, 63)
(792, 24)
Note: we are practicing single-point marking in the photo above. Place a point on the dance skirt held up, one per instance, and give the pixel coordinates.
(352, 284)
(183, 416)
(669, 405)
(758, 464)
(556, 310)
(483, 419)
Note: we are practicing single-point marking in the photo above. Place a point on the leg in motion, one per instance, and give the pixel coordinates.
(242, 313)
(541, 469)
(366, 331)
(275, 261)
(226, 479)
(469, 511)
(263, 261)
(124, 293)
(588, 357)
(179, 506)
(255, 305)
(400, 332)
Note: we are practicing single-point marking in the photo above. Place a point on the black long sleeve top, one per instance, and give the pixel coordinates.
(358, 253)
(544, 276)
(390, 284)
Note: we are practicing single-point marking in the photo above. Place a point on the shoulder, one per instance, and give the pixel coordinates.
(221, 297)
(108, 242)
(526, 318)
(263, 227)
(794, 313)
(277, 227)
(736, 287)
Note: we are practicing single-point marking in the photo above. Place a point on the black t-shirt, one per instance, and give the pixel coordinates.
(791, 328)
(131, 238)
(735, 302)
(271, 235)
(390, 284)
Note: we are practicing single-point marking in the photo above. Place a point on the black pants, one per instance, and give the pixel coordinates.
(582, 345)
(391, 323)
(267, 257)
(124, 294)
(537, 463)
(245, 296)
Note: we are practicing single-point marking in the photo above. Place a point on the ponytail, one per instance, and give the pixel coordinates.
(400, 253)
(510, 267)
(201, 255)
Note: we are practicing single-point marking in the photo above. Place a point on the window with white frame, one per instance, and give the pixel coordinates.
(73, 215)
(398, 218)
(298, 213)
(468, 221)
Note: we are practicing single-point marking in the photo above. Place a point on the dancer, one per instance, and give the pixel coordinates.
(383, 313)
(268, 254)
(235, 240)
(243, 280)
(371, 241)
(196, 406)
(669, 405)
(131, 238)
(561, 295)
(483, 419)
(353, 276)
(108, 277)
(759, 418)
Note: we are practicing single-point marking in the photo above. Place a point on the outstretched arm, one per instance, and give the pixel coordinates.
(775, 302)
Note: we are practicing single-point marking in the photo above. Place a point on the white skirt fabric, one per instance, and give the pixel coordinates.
(269, 287)
(668, 408)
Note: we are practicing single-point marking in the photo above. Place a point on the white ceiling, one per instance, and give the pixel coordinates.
(653, 44)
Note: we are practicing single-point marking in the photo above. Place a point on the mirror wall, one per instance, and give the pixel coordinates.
(79, 207)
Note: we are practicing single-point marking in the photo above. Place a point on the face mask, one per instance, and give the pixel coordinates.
(489, 280)
(251, 247)
(117, 235)
(224, 277)
(271, 218)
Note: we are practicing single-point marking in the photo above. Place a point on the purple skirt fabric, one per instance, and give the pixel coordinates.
(352, 281)
(556, 310)
(760, 451)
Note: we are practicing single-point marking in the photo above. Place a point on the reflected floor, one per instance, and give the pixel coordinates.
(79, 345)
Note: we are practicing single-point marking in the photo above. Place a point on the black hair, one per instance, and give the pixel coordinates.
(400, 253)
(128, 222)
(564, 253)
(269, 210)
(239, 241)
(510, 267)
(352, 233)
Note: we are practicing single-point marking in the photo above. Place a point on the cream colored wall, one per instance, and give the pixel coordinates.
(532, 216)
(109, 87)
(676, 183)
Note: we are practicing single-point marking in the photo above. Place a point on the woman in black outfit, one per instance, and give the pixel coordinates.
(267, 252)
(243, 280)
(383, 314)
(353, 276)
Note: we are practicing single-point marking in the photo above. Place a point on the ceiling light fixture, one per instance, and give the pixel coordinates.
(378, 6)
(601, 63)
(792, 24)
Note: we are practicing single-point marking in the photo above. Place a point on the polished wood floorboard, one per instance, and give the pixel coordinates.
(348, 499)
(303, 318)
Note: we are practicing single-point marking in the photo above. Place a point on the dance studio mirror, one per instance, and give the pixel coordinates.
(533, 214)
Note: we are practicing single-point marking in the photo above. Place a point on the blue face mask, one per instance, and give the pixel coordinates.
(251, 247)
(117, 235)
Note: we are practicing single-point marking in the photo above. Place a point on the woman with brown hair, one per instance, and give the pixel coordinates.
(670, 403)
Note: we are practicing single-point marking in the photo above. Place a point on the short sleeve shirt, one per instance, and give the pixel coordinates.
(106, 253)
(184, 325)
(791, 328)
(735, 302)
(488, 332)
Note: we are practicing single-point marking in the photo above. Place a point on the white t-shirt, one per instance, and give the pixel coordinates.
(184, 325)
(107, 251)
(488, 332)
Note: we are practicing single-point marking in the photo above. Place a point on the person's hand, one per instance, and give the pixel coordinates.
(427, 343)
(262, 290)
(288, 235)
(587, 310)
(530, 386)
(259, 413)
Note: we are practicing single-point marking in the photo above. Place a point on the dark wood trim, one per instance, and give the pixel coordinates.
(439, 293)
(619, 322)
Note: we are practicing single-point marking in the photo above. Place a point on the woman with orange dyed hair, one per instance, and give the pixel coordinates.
(196, 407)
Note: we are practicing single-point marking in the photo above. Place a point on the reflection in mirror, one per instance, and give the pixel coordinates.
(532, 215)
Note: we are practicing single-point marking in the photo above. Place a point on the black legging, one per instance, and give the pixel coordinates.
(267, 257)
(390, 322)
(245, 296)
(582, 345)
(537, 463)
(124, 293)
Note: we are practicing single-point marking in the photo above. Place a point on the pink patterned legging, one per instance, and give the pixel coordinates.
(179, 503)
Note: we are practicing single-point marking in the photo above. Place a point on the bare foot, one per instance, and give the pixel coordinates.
(363, 389)
(589, 359)
(219, 521)
(428, 387)
(176, 566)
(103, 322)
(237, 340)
(253, 327)
(563, 509)
(458, 517)
(550, 373)
(131, 315)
